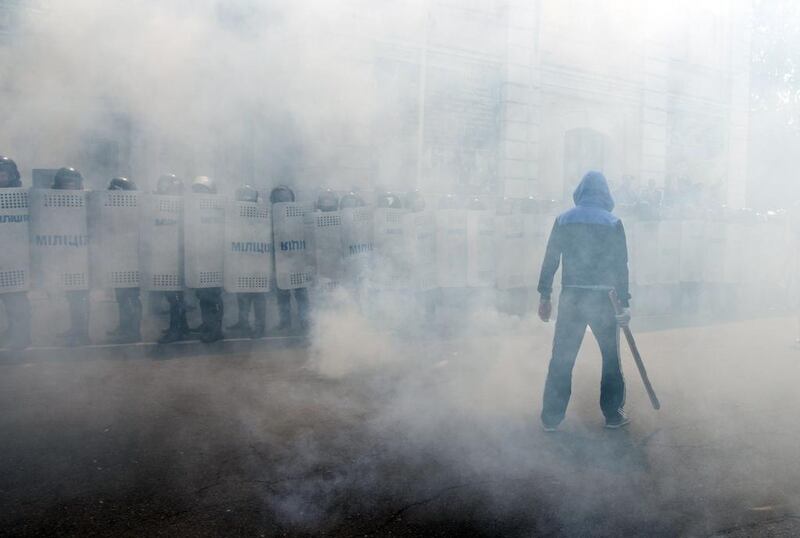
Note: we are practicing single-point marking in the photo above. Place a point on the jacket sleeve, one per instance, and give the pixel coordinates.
(552, 257)
(621, 266)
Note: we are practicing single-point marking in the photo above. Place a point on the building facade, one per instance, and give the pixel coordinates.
(507, 97)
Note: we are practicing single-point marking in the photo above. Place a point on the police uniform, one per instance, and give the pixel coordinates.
(18, 307)
(280, 194)
(245, 301)
(129, 303)
(78, 300)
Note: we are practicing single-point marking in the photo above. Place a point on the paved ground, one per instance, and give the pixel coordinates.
(384, 435)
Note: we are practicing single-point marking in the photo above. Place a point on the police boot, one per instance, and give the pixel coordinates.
(241, 326)
(260, 313)
(284, 310)
(174, 333)
(211, 314)
(178, 328)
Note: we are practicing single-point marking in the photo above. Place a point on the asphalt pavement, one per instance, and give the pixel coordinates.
(381, 434)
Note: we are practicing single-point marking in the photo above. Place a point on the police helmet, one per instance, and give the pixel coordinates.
(10, 168)
(204, 185)
(121, 184)
(389, 200)
(327, 201)
(281, 193)
(415, 201)
(246, 193)
(351, 199)
(169, 184)
(68, 178)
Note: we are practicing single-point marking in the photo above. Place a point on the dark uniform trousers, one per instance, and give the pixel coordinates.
(578, 308)
(211, 309)
(130, 310)
(259, 305)
(177, 312)
(285, 306)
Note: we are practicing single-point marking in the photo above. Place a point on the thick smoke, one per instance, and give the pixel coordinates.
(290, 92)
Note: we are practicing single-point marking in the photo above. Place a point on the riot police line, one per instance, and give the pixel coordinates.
(69, 240)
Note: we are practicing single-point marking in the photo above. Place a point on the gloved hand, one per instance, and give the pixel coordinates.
(624, 317)
(545, 309)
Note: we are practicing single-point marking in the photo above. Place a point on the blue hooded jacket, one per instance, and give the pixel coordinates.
(590, 241)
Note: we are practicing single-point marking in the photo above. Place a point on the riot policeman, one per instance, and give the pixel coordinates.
(129, 303)
(210, 299)
(68, 178)
(244, 300)
(350, 200)
(178, 329)
(327, 201)
(17, 305)
(389, 200)
(281, 194)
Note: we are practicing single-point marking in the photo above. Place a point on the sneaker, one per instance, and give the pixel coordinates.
(617, 422)
(549, 428)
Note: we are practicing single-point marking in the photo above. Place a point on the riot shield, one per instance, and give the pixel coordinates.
(59, 239)
(692, 250)
(644, 253)
(161, 242)
(114, 218)
(328, 249)
(451, 248)
(511, 252)
(15, 263)
(480, 248)
(357, 245)
(669, 251)
(294, 262)
(204, 240)
(420, 235)
(248, 247)
(390, 268)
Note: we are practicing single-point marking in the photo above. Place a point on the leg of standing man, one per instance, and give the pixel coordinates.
(570, 328)
(612, 384)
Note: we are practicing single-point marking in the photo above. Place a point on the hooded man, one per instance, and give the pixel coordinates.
(591, 242)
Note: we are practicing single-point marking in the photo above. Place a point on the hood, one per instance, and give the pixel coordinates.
(593, 191)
